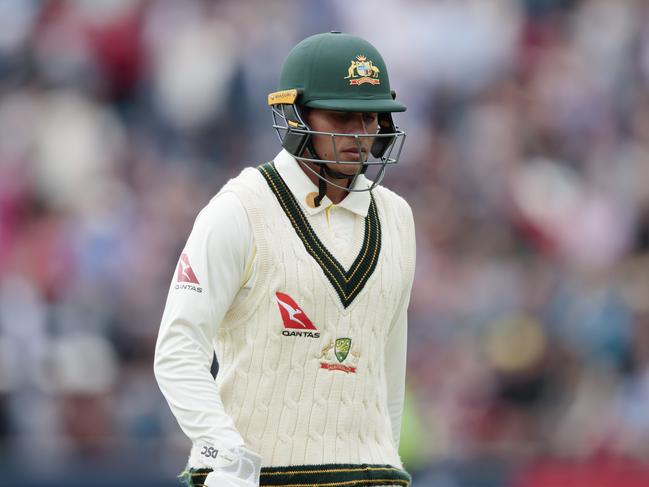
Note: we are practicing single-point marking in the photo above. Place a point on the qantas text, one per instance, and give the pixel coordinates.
(190, 287)
(307, 334)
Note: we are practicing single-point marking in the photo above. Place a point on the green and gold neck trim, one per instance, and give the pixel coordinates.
(348, 284)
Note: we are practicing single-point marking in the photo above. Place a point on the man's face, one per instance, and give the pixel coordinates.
(347, 148)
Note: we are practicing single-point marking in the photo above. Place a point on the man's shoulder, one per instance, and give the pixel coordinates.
(249, 176)
(248, 182)
(247, 190)
(390, 198)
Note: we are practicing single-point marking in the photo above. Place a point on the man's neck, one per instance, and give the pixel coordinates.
(336, 195)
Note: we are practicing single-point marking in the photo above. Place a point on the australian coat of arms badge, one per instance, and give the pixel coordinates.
(361, 70)
(341, 348)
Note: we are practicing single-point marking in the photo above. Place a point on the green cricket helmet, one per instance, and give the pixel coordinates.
(340, 72)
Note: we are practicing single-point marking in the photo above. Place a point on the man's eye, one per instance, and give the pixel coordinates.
(369, 118)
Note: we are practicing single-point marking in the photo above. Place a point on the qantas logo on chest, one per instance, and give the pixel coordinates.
(296, 322)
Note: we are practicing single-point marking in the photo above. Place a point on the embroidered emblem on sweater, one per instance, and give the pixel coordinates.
(294, 317)
(348, 284)
(340, 349)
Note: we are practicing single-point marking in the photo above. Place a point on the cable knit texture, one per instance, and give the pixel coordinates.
(288, 404)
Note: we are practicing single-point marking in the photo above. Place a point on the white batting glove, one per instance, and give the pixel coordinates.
(242, 471)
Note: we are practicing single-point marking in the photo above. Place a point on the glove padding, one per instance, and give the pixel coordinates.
(243, 471)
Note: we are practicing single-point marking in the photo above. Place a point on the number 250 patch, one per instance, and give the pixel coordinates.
(209, 452)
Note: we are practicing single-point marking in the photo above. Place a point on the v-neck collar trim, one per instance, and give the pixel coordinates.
(347, 284)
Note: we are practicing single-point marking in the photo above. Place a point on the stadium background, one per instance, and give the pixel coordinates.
(526, 164)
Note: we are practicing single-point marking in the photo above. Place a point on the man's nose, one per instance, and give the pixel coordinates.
(358, 124)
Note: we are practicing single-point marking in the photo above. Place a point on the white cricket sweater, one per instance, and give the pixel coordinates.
(292, 398)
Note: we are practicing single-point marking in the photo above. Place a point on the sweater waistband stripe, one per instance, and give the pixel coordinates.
(328, 475)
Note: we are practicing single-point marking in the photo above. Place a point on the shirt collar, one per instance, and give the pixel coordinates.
(301, 186)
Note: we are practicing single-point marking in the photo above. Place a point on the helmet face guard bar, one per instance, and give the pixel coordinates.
(295, 136)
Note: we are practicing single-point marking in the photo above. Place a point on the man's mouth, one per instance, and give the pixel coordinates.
(355, 154)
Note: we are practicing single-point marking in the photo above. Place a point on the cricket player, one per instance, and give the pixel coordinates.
(297, 274)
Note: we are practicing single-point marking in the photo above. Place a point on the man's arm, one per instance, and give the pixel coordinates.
(396, 342)
(205, 282)
(395, 368)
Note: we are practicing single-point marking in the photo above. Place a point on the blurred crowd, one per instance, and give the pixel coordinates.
(526, 164)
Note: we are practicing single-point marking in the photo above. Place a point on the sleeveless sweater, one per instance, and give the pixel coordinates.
(301, 359)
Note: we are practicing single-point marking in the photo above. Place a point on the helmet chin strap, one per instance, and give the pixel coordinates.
(322, 187)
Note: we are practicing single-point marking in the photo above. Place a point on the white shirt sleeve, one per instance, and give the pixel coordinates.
(395, 369)
(205, 282)
(395, 358)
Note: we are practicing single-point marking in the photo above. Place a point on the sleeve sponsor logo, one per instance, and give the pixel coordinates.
(187, 276)
(185, 271)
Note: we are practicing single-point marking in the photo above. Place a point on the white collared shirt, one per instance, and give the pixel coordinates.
(222, 241)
